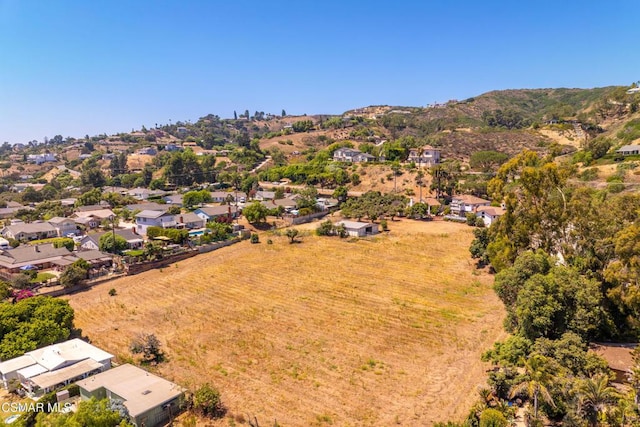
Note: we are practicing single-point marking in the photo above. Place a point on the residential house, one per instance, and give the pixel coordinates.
(463, 204)
(215, 212)
(37, 256)
(223, 196)
(49, 368)
(489, 214)
(92, 241)
(633, 90)
(173, 200)
(288, 203)
(191, 221)
(358, 229)
(327, 203)
(63, 226)
(172, 147)
(148, 151)
(144, 193)
(345, 154)
(629, 150)
(264, 195)
(150, 400)
(146, 219)
(92, 218)
(39, 159)
(29, 231)
(424, 157)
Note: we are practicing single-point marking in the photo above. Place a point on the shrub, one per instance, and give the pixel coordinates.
(113, 292)
(255, 238)
(207, 401)
(384, 225)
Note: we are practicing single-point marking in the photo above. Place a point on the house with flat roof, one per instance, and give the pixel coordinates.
(49, 368)
(358, 229)
(151, 400)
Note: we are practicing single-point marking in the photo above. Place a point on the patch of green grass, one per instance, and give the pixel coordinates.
(42, 277)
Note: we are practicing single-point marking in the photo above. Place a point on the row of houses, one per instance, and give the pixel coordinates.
(423, 157)
(150, 400)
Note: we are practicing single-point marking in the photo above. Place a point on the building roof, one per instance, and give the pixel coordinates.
(51, 378)
(468, 199)
(217, 210)
(101, 213)
(618, 355)
(26, 254)
(150, 206)
(16, 363)
(101, 205)
(355, 225)
(633, 147)
(126, 233)
(93, 255)
(140, 389)
(189, 217)
(30, 227)
(59, 220)
(151, 214)
(492, 210)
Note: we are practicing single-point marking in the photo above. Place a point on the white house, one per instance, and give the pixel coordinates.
(213, 212)
(489, 214)
(465, 203)
(146, 219)
(424, 157)
(629, 150)
(358, 229)
(46, 369)
(345, 154)
(39, 159)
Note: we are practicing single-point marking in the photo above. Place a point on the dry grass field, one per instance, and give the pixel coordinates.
(377, 332)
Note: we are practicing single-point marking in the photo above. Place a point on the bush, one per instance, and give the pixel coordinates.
(113, 292)
(384, 225)
(471, 219)
(149, 346)
(255, 238)
(207, 401)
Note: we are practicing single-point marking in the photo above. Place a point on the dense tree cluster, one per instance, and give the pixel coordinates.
(374, 205)
(567, 263)
(32, 323)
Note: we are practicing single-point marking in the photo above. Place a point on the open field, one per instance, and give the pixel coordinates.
(368, 332)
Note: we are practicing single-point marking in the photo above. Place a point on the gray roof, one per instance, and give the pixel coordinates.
(355, 225)
(633, 147)
(151, 214)
(189, 217)
(59, 220)
(27, 254)
(125, 233)
(31, 227)
(150, 206)
(217, 210)
(102, 205)
(141, 390)
(92, 255)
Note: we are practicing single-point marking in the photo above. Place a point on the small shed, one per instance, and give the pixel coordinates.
(359, 229)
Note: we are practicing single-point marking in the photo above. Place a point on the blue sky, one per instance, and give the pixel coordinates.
(105, 66)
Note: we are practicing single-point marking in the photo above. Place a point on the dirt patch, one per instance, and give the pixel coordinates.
(382, 331)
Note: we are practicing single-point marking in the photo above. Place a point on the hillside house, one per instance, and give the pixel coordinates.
(489, 214)
(358, 229)
(224, 196)
(264, 195)
(629, 150)
(144, 193)
(49, 368)
(465, 203)
(213, 213)
(150, 400)
(173, 200)
(352, 155)
(147, 151)
(92, 219)
(29, 231)
(39, 159)
(172, 147)
(149, 206)
(146, 219)
(424, 157)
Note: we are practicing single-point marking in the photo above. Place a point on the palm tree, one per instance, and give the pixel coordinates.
(595, 396)
(535, 384)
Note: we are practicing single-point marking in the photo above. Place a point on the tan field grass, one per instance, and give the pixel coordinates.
(380, 332)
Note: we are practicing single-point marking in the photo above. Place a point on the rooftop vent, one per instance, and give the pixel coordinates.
(146, 392)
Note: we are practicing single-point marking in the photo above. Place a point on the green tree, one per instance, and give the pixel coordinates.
(149, 346)
(74, 274)
(536, 382)
(492, 418)
(107, 244)
(255, 212)
(292, 233)
(596, 395)
(207, 401)
(487, 160)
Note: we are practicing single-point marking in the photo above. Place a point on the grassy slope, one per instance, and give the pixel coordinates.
(362, 333)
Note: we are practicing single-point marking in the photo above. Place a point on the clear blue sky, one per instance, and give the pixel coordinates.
(93, 66)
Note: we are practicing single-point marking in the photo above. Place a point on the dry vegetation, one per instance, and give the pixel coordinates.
(345, 332)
